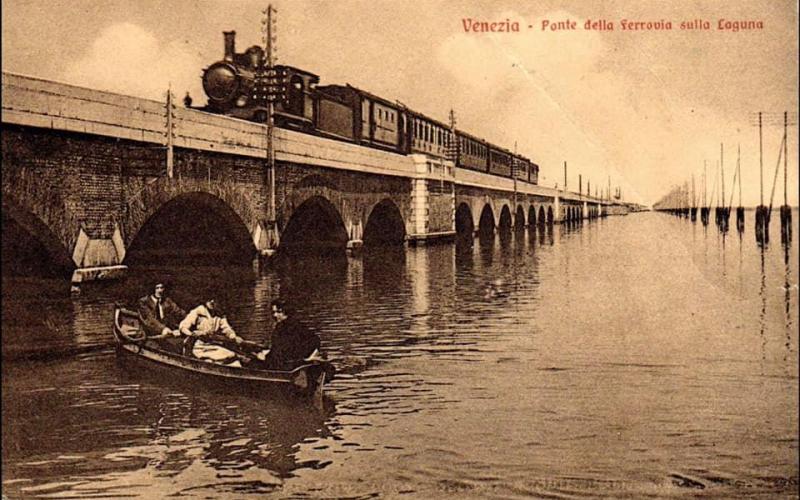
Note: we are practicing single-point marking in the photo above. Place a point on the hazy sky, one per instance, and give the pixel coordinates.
(645, 107)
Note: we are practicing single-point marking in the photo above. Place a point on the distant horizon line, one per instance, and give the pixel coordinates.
(746, 207)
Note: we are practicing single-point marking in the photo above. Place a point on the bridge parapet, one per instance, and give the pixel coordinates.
(45, 104)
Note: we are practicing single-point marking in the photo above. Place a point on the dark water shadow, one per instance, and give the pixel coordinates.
(128, 419)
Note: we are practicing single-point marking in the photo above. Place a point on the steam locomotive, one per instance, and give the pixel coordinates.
(241, 85)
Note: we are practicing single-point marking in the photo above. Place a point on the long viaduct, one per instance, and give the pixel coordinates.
(86, 175)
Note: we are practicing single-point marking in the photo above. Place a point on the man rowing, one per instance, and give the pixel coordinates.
(158, 311)
(164, 322)
(206, 334)
(291, 342)
(205, 329)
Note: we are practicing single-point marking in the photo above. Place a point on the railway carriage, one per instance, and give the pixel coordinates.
(522, 168)
(500, 161)
(334, 118)
(428, 136)
(241, 85)
(377, 122)
(473, 152)
(533, 177)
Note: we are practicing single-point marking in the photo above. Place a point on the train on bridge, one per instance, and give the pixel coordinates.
(241, 85)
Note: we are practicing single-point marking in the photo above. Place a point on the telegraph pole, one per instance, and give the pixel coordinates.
(761, 157)
(739, 209)
(705, 209)
(786, 211)
(514, 177)
(452, 151)
(705, 187)
(725, 214)
(739, 169)
(268, 38)
(722, 171)
(170, 133)
(785, 155)
(762, 215)
(453, 154)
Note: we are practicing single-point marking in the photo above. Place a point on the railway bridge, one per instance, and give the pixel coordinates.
(97, 180)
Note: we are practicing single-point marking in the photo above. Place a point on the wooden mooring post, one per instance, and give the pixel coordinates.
(762, 224)
(724, 210)
(786, 210)
(762, 213)
(739, 208)
(740, 219)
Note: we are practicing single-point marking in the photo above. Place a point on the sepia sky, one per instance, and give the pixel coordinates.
(643, 107)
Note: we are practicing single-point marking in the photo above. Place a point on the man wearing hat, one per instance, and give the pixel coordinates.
(159, 314)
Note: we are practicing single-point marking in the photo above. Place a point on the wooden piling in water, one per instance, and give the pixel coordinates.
(725, 213)
(725, 219)
(762, 224)
(786, 224)
(739, 209)
(740, 219)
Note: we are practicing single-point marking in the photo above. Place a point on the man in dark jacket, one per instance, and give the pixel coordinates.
(159, 314)
(291, 341)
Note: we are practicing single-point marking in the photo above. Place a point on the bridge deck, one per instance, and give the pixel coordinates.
(42, 103)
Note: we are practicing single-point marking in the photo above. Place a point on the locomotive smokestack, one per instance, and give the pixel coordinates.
(230, 44)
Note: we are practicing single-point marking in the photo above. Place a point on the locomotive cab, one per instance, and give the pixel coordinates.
(296, 107)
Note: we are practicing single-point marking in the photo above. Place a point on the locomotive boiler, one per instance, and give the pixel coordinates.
(240, 85)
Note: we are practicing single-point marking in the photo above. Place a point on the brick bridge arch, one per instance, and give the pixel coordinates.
(353, 208)
(465, 219)
(476, 204)
(56, 245)
(506, 217)
(385, 224)
(43, 212)
(239, 209)
(313, 186)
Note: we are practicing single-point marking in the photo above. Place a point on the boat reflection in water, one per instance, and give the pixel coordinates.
(101, 429)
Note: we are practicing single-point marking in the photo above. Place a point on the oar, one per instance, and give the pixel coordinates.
(246, 348)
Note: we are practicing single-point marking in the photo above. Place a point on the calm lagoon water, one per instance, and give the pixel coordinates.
(637, 356)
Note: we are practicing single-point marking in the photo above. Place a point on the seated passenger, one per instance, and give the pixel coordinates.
(159, 316)
(291, 342)
(205, 329)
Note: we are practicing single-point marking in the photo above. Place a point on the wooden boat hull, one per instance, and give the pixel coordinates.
(305, 380)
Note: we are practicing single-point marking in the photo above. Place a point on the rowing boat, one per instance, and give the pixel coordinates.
(306, 379)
